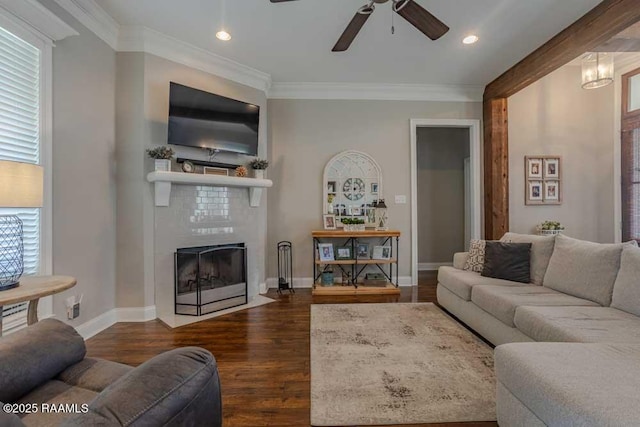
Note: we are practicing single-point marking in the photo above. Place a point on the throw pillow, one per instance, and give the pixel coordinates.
(541, 250)
(508, 261)
(584, 269)
(475, 261)
(626, 290)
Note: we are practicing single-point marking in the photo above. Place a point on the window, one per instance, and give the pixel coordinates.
(20, 101)
(631, 155)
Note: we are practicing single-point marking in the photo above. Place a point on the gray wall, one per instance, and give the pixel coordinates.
(441, 199)
(555, 116)
(143, 105)
(83, 169)
(305, 134)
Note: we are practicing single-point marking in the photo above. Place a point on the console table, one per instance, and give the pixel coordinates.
(389, 267)
(31, 289)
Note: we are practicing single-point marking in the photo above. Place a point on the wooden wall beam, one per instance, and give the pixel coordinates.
(496, 168)
(595, 28)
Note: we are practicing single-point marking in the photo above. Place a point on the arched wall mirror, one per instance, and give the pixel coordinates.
(352, 182)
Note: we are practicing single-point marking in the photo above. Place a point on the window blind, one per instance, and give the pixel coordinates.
(20, 139)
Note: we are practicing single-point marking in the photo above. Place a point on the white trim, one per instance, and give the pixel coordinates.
(113, 316)
(476, 179)
(629, 64)
(376, 91)
(95, 18)
(33, 16)
(433, 266)
(142, 39)
(307, 282)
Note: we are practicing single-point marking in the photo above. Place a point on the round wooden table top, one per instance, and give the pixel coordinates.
(35, 287)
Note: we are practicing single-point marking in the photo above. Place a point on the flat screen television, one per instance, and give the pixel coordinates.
(204, 120)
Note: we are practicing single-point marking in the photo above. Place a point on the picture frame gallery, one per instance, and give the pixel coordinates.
(543, 180)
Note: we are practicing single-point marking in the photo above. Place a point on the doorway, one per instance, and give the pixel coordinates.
(443, 195)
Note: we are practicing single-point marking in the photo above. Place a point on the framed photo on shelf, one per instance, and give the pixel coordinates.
(552, 168)
(329, 221)
(209, 170)
(325, 252)
(381, 252)
(344, 252)
(362, 251)
(534, 167)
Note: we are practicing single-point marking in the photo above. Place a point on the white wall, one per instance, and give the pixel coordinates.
(83, 169)
(305, 134)
(555, 116)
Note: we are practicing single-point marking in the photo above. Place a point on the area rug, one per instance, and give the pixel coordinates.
(377, 364)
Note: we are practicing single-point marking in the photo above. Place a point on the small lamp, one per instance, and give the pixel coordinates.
(21, 186)
(381, 215)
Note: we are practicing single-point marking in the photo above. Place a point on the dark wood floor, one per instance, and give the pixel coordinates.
(262, 353)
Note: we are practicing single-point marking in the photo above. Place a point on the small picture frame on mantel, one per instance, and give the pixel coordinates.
(543, 180)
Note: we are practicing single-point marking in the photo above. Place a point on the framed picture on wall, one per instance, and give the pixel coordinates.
(534, 168)
(552, 191)
(534, 192)
(552, 168)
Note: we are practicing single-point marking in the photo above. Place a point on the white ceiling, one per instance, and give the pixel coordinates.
(293, 41)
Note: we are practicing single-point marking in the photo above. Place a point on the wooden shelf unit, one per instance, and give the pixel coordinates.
(357, 266)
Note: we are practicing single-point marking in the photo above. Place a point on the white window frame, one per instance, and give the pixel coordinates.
(32, 36)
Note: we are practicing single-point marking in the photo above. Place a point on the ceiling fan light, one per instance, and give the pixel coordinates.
(223, 35)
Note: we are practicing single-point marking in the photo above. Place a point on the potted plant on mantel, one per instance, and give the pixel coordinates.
(550, 228)
(259, 166)
(162, 157)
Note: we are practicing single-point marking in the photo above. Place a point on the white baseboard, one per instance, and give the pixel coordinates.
(432, 266)
(111, 317)
(307, 282)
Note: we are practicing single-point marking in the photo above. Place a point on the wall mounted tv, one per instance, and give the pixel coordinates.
(204, 120)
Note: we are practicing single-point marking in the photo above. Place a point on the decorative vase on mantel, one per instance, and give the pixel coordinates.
(163, 165)
(259, 166)
(258, 173)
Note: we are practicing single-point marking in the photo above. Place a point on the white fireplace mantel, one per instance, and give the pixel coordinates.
(164, 180)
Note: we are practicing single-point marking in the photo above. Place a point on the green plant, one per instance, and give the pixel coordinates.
(551, 225)
(161, 153)
(259, 164)
(352, 221)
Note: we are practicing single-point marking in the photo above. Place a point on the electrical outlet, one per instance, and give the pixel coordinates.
(73, 307)
(401, 200)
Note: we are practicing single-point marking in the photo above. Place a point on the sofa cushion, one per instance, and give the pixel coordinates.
(573, 384)
(578, 324)
(541, 250)
(475, 260)
(508, 261)
(584, 269)
(626, 290)
(34, 355)
(460, 282)
(93, 374)
(55, 392)
(501, 302)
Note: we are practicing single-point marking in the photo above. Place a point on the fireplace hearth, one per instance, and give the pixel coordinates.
(210, 278)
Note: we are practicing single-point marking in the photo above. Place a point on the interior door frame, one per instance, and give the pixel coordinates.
(474, 127)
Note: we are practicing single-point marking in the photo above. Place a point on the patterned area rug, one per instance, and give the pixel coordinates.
(376, 364)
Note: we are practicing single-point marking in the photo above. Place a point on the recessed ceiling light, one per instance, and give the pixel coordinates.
(471, 39)
(223, 35)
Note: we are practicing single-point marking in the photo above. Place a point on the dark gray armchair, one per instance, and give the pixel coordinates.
(48, 381)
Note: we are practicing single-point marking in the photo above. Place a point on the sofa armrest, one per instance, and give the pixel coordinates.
(9, 420)
(460, 259)
(179, 387)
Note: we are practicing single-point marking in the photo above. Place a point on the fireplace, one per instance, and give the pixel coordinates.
(210, 278)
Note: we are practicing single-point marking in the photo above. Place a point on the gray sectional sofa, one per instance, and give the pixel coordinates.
(568, 344)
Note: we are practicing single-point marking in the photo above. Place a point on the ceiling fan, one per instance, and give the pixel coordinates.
(417, 16)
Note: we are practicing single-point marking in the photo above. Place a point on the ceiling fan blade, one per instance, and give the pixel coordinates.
(353, 28)
(424, 21)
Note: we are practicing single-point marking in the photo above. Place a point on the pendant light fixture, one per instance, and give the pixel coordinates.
(222, 34)
(597, 70)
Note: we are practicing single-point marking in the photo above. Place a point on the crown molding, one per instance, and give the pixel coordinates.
(142, 39)
(373, 91)
(37, 17)
(94, 17)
